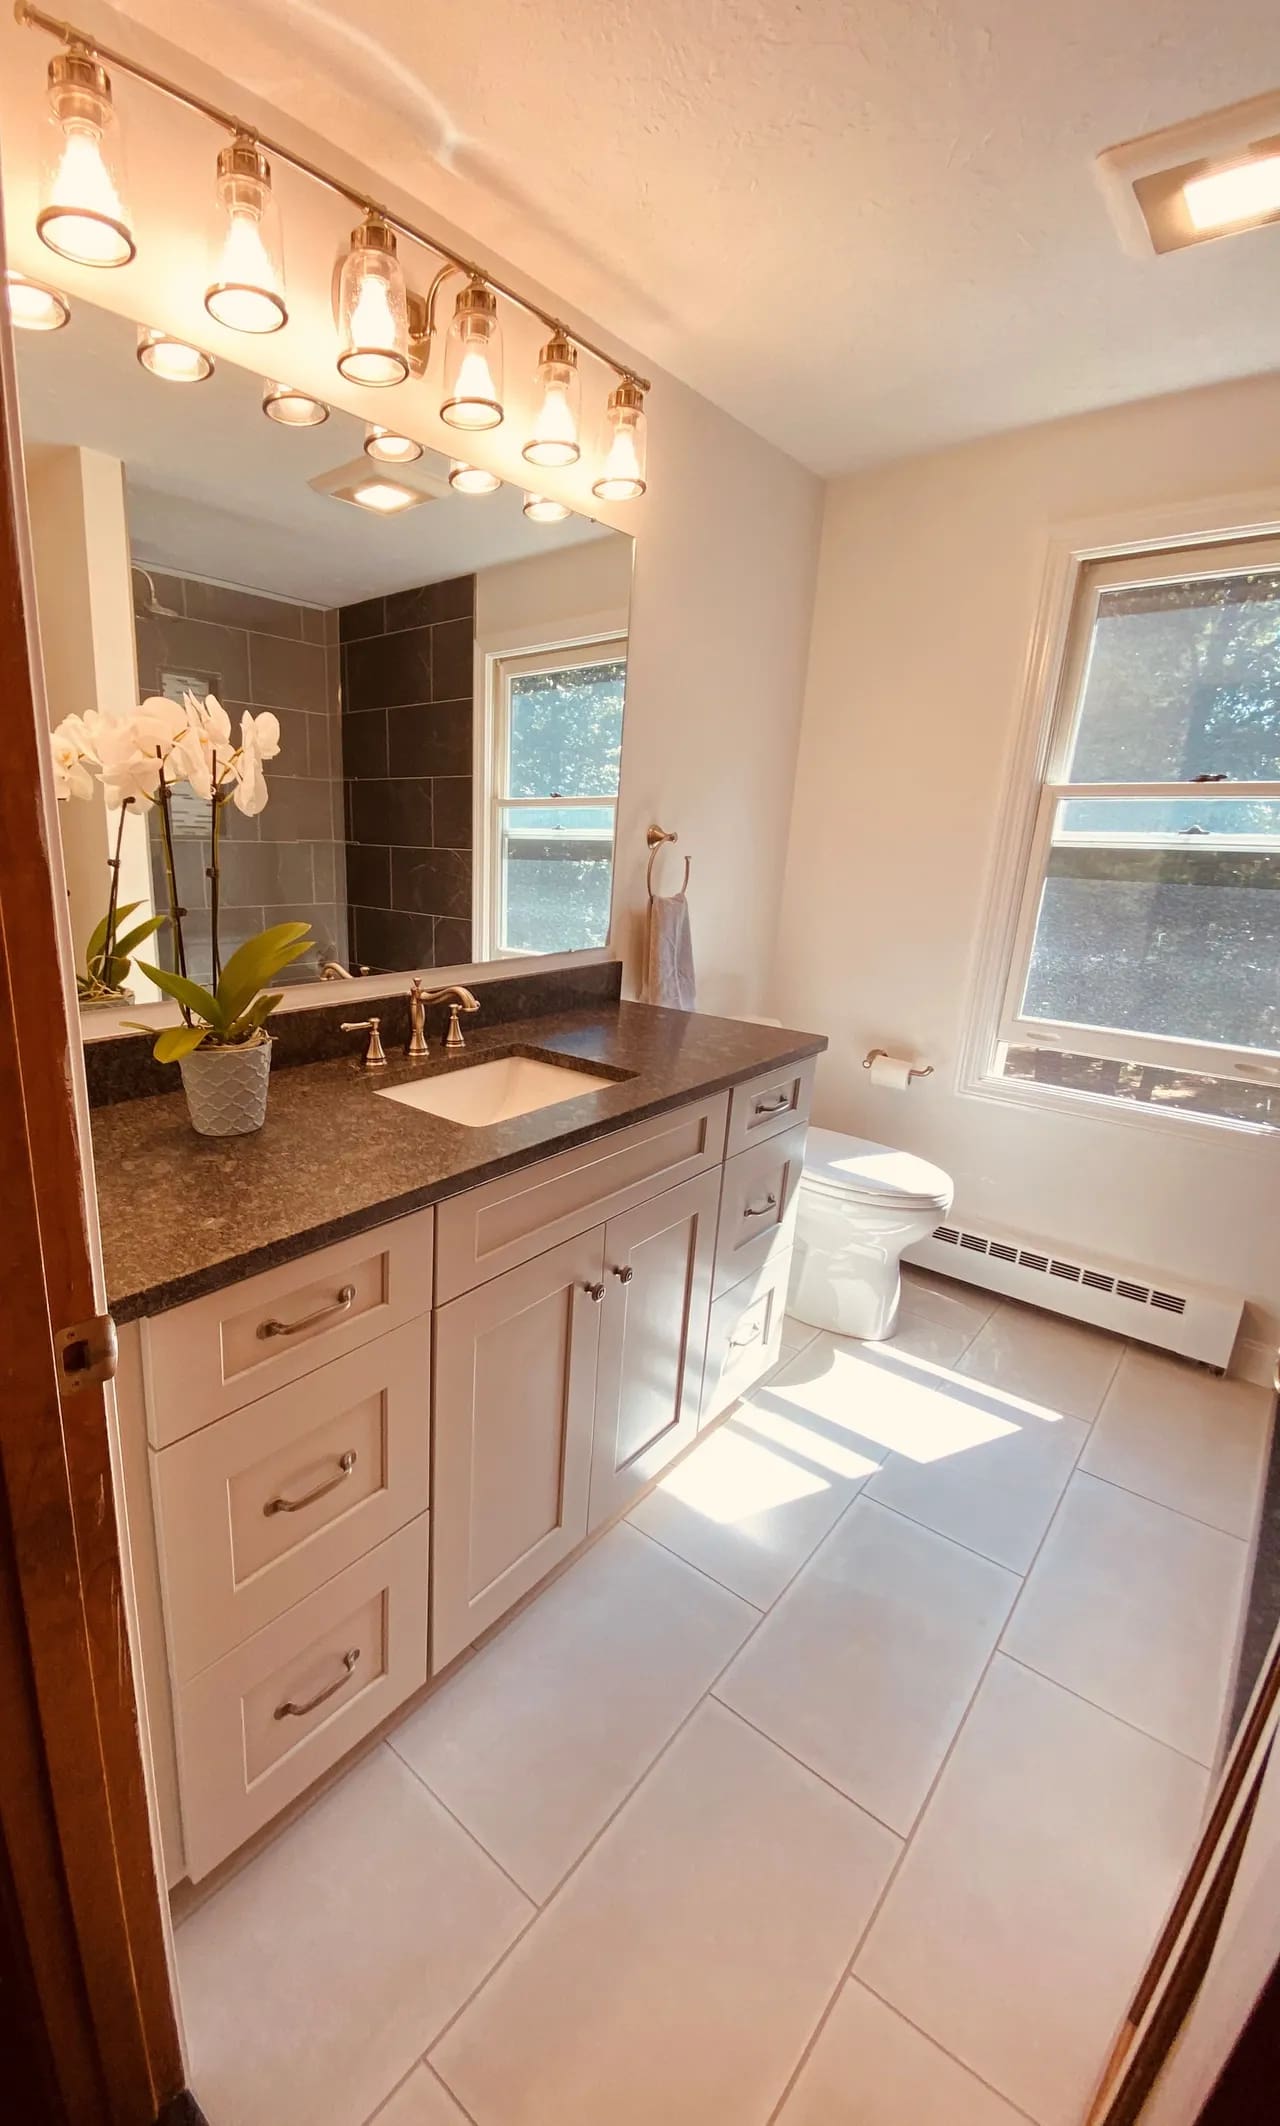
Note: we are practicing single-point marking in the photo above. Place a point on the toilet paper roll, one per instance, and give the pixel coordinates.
(893, 1071)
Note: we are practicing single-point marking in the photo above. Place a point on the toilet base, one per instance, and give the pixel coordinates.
(853, 1293)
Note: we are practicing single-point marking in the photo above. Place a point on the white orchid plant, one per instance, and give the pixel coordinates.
(139, 760)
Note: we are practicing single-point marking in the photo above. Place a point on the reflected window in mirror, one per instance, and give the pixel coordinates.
(556, 717)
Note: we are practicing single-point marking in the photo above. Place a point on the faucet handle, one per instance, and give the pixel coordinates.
(374, 1055)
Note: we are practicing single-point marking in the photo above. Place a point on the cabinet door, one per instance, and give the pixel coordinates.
(657, 1270)
(515, 1375)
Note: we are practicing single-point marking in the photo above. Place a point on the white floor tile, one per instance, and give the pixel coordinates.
(1177, 1435)
(869, 2068)
(1136, 1608)
(935, 1324)
(314, 1979)
(997, 1469)
(1064, 1366)
(973, 1295)
(679, 1972)
(866, 1666)
(538, 1739)
(422, 2101)
(795, 1335)
(1031, 1894)
(757, 1495)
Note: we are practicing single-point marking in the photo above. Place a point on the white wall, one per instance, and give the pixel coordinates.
(928, 585)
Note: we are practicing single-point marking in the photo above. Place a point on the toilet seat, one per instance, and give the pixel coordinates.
(859, 1170)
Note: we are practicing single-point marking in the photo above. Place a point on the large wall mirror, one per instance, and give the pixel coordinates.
(447, 666)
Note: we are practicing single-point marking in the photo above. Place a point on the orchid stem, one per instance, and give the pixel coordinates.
(171, 875)
(215, 957)
(106, 971)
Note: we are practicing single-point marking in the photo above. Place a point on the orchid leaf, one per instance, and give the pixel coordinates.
(127, 946)
(197, 999)
(256, 962)
(98, 942)
(261, 1009)
(178, 1041)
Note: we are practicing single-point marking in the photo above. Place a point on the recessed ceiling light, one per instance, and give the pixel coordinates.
(1245, 191)
(369, 486)
(33, 306)
(386, 496)
(1216, 175)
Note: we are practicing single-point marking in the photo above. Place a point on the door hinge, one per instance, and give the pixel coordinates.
(87, 1354)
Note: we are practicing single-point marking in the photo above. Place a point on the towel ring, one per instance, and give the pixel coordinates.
(655, 838)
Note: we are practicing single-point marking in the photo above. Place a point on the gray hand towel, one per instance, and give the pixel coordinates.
(669, 977)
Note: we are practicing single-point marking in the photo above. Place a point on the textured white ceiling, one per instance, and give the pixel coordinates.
(864, 227)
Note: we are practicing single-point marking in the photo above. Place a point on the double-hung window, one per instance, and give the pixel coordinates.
(555, 718)
(1146, 959)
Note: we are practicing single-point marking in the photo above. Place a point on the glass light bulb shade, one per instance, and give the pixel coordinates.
(472, 479)
(473, 362)
(554, 440)
(175, 361)
(388, 446)
(373, 320)
(624, 444)
(247, 289)
(293, 409)
(84, 216)
(543, 509)
(32, 306)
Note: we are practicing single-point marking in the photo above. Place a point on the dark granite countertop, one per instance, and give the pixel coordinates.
(182, 1214)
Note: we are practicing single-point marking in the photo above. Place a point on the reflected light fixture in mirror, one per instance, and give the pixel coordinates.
(389, 447)
(247, 291)
(373, 309)
(473, 360)
(555, 424)
(174, 360)
(472, 479)
(622, 446)
(543, 509)
(84, 216)
(293, 409)
(32, 306)
(384, 497)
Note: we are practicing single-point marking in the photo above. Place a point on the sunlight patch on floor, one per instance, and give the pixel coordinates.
(908, 1406)
(741, 1479)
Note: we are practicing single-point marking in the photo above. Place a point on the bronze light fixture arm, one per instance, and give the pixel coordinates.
(66, 33)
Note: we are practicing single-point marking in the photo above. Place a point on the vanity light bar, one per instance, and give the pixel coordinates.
(474, 332)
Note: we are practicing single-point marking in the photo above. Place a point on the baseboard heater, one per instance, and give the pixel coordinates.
(1194, 1320)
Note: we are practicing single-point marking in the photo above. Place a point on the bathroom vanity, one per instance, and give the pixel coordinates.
(342, 1469)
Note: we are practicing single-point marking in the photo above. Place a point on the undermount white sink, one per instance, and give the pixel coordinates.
(483, 1093)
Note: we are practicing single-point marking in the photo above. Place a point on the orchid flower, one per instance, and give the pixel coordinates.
(72, 746)
(259, 741)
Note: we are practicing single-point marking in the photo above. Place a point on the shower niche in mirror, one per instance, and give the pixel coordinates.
(448, 671)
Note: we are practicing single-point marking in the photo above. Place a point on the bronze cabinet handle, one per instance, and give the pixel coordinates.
(290, 1711)
(757, 1210)
(341, 1305)
(623, 1273)
(594, 1291)
(346, 1463)
(772, 1107)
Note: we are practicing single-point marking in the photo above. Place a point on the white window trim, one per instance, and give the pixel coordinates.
(1068, 549)
(587, 642)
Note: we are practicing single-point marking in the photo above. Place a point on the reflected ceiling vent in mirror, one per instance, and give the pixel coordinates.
(472, 479)
(291, 408)
(389, 447)
(543, 509)
(367, 487)
(84, 215)
(1216, 175)
(175, 361)
(32, 306)
(247, 291)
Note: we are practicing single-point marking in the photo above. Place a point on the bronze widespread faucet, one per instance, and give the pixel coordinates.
(458, 999)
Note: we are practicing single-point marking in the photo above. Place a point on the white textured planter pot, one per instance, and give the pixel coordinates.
(226, 1089)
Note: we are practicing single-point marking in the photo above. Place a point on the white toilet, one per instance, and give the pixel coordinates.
(860, 1205)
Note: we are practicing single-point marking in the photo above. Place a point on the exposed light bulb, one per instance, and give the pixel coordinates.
(472, 479)
(293, 409)
(247, 290)
(473, 361)
(622, 474)
(389, 447)
(175, 361)
(543, 509)
(84, 216)
(555, 425)
(373, 310)
(32, 306)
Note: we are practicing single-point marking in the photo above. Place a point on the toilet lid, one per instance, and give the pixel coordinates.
(836, 1165)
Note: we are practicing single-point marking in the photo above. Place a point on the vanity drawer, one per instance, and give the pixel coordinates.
(766, 1106)
(260, 1509)
(225, 1350)
(744, 1341)
(758, 1207)
(506, 1222)
(261, 1724)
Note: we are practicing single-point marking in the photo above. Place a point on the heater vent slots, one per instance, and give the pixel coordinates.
(1057, 1266)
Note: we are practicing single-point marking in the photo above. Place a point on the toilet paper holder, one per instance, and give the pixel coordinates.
(924, 1070)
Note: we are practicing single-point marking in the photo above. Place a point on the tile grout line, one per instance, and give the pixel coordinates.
(1017, 2109)
(453, 1816)
(943, 1535)
(680, 1558)
(781, 1747)
(1161, 1742)
(1163, 1504)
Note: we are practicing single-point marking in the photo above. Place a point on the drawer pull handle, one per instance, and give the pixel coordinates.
(623, 1273)
(290, 1711)
(339, 1305)
(594, 1291)
(772, 1107)
(346, 1463)
(740, 1343)
(757, 1210)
